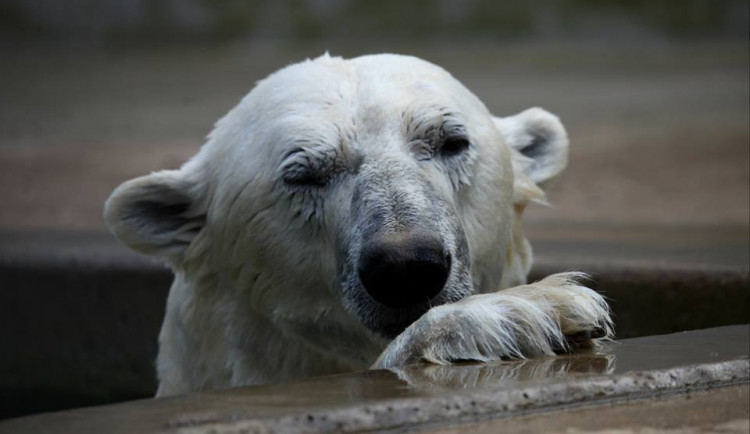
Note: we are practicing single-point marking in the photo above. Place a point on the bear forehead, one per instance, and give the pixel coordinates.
(382, 70)
(329, 101)
(358, 87)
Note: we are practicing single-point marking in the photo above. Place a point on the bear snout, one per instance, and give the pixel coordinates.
(405, 269)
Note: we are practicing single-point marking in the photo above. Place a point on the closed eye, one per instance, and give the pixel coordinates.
(302, 179)
(300, 170)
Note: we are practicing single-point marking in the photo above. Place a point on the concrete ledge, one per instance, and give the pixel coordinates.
(718, 410)
(466, 407)
(426, 396)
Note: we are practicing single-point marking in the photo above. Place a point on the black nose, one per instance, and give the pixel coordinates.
(402, 270)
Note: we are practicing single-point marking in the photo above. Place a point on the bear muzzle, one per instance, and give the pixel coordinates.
(404, 269)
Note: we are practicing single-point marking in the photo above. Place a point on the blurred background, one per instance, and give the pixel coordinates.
(94, 92)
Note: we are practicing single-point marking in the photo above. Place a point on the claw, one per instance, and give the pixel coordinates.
(598, 332)
(581, 339)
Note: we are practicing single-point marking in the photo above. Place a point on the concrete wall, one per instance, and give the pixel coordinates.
(153, 21)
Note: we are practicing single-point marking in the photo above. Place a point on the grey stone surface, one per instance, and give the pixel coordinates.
(724, 410)
(426, 396)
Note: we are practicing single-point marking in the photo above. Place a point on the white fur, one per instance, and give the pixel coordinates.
(265, 226)
(524, 321)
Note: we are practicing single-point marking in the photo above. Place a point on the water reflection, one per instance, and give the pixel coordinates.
(505, 373)
(643, 354)
(419, 380)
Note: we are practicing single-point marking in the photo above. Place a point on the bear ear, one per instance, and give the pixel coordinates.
(157, 214)
(539, 136)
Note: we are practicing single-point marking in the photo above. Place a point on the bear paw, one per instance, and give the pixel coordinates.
(554, 315)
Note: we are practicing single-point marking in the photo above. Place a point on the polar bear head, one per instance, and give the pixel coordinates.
(371, 188)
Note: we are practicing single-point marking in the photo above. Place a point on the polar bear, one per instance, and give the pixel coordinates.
(354, 214)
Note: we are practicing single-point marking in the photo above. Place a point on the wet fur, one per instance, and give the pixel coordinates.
(264, 229)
